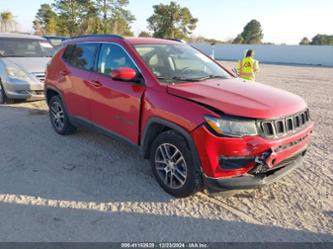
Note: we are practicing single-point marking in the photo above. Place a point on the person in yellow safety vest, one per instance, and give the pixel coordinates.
(248, 66)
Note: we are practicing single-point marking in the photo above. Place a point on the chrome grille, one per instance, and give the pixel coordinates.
(280, 127)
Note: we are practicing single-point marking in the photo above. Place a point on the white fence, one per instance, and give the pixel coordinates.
(280, 54)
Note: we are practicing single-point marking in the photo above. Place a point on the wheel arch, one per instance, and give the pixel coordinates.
(50, 92)
(2, 85)
(2, 92)
(157, 125)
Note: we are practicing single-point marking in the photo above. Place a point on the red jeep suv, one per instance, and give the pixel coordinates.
(200, 126)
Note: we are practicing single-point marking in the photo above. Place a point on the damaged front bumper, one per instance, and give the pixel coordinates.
(247, 162)
(258, 176)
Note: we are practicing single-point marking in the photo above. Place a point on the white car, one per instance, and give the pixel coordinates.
(23, 60)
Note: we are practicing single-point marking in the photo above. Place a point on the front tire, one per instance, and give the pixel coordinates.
(2, 95)
(173, 165)
(59, 118)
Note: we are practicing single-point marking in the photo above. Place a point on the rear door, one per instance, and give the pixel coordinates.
(115, 105)
(80, 60)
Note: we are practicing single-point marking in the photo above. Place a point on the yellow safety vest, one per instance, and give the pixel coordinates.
(247, 68)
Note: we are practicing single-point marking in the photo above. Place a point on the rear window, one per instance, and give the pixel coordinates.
(81, 55)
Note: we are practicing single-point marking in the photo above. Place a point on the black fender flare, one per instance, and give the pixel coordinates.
(52, 88)
(146, 139)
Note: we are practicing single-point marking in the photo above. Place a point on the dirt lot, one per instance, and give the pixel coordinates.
(87, 187)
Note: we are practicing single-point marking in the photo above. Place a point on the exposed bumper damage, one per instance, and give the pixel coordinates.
(258, 176)
(241, 163)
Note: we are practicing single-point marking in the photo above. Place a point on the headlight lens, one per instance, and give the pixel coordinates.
(232, 127)
(16, 73)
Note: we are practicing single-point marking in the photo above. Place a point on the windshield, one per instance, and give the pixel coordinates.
(15, 47)
(178, 63)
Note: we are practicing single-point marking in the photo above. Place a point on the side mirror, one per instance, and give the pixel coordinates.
(124, 73)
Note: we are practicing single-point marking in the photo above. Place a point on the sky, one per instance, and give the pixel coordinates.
(283, 21)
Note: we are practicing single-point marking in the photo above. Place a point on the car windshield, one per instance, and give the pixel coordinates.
(16, 47)
(172, 63)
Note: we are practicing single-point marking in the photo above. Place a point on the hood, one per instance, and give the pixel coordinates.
(239, 98)
(28, 64)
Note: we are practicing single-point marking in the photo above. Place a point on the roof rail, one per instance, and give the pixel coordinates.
(177, 40)
(98, 35)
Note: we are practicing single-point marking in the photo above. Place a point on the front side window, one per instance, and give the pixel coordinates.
(178, 63)
(112, 57)
(81, 55)
(21, 47)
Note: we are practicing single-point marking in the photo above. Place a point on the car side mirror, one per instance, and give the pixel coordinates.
(124, 74)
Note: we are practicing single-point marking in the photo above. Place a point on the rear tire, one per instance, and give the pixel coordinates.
(173, 165)
(59, 118)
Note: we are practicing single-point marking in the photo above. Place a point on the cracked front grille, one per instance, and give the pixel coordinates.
(283, 126)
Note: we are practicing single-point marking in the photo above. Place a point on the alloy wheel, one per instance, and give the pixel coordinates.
(171, 165)
(57, 115)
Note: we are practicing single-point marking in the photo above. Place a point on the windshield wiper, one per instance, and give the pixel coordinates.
(185, 79)
(213, 77)
(177, 78)
(163, 78)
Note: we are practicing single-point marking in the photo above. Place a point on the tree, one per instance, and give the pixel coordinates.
(145, 34)
(91, 22)
(252, 33)
(45, 22)
(238, 40)
(69, 16)
(73, 15)
(171, 21)
(7, 22)
(115, 17)
(104, 7)
(322, 40)
(304, 41)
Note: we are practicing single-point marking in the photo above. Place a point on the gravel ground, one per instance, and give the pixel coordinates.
(87, 187)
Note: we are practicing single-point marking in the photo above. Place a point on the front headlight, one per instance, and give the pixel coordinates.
(16, 73)
(232, 127)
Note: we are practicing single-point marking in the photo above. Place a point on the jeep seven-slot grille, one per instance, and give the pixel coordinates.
(281, 127)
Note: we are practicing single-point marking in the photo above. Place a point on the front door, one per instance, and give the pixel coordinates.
(115, 105)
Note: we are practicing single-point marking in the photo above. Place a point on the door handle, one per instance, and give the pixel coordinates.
(96, 83)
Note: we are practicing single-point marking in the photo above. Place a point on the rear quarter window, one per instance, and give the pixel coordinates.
(68, 53)
(81, 55)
